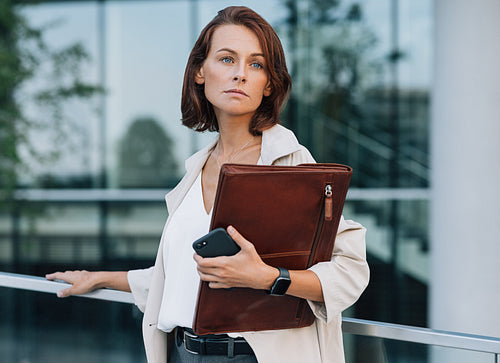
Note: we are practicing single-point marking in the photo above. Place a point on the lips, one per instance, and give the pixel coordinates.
(236, 91)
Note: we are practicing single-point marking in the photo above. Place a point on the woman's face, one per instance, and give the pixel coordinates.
(234, 72)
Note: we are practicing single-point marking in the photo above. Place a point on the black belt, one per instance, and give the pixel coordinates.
(211, 344)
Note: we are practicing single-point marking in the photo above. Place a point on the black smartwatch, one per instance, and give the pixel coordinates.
(281, 284)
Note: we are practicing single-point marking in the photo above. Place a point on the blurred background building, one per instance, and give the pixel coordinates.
(91, 140)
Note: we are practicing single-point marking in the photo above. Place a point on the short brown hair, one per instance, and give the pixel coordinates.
(197, 112)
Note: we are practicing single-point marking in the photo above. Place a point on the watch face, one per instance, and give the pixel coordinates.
(280, 286)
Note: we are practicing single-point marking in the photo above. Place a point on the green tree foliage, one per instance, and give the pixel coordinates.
(341, 59)
(332, 41)
(23, 52)
(146, 156)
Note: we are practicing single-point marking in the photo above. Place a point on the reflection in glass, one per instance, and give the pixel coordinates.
(361, 75)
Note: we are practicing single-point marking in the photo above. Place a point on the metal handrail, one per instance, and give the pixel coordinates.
(349, 325)
(158, 195)
(41, 284)
(406, 333)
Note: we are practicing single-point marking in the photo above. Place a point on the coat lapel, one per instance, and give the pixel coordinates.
(193, 165)
(277, 142)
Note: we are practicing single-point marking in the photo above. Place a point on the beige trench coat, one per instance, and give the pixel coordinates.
(343, 279)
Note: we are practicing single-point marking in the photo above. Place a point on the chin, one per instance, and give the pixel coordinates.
(238, 112)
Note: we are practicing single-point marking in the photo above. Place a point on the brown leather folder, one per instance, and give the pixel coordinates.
(291, 214)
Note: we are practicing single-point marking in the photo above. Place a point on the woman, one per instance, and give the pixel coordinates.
(235, 83)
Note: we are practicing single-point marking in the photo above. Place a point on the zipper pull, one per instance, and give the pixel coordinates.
(328, 202)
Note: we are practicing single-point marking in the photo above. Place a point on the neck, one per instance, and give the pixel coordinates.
(232, 135)
(236, 143)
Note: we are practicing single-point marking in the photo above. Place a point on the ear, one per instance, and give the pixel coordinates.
(268, 90)
(199, 76)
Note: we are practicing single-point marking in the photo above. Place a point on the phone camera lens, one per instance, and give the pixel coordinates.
(200, 245)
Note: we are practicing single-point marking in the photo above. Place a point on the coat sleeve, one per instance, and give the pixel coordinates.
(346, 275)
(139, 281)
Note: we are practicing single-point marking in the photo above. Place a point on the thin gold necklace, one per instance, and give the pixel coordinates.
(232, 157)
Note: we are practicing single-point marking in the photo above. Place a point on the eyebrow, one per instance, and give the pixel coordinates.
(233, 52)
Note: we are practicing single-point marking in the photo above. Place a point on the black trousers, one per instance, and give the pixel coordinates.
(181, 355)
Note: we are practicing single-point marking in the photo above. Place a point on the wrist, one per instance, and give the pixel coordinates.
(116, 280)
(270, 274)
(100, 279)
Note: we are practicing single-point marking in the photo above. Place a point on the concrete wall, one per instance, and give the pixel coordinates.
(465, 139)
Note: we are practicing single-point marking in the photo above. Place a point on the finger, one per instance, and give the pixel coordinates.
(215, 281)
(206, 261)
(51, 276)
(208, 277)
(217, 285)
(210, 271)
(211, 262)
(201, 261)
(59, 277)
(238, 238)
(64, 293)
(197, 258)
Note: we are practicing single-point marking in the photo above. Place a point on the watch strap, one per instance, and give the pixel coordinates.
(282, 282)
(284, 272)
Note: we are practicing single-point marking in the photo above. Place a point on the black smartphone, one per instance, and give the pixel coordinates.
(216, 243)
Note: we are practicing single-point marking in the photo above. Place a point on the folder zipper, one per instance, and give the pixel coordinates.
(328, 202)
(326, 215)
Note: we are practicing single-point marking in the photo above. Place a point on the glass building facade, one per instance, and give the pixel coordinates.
(361, 73)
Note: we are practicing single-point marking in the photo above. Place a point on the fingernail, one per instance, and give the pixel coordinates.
(230, 230)
(59, 294)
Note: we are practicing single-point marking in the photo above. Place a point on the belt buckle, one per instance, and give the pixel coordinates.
(194, 337)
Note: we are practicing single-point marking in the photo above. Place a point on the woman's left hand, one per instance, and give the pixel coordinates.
(244, 269)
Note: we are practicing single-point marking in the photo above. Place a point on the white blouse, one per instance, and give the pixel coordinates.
(189, 222)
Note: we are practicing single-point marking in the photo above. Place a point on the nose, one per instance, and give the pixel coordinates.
(238, 78)
(240, 75)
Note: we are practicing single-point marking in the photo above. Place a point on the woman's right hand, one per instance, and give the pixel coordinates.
(81, 282)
